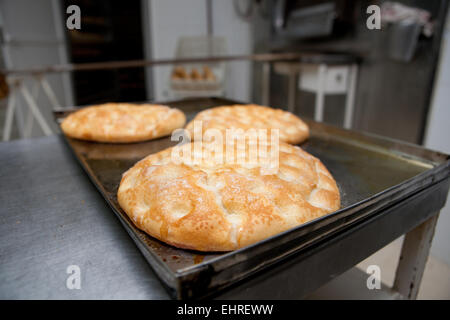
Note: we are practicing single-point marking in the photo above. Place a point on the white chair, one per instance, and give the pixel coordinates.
(321, 79)
(199, 47)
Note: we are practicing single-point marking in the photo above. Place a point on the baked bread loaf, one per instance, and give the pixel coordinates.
(206, 205)
(122, 122)
(292, 129)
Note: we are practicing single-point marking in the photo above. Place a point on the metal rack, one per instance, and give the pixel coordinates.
(17, 77)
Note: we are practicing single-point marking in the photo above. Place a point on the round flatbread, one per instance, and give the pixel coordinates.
(122, 122)
(207, 205)
(251, 116)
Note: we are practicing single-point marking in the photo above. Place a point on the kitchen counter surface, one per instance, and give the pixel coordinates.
(52, 217)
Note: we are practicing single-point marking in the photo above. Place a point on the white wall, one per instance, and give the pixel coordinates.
(238, 33)
(171, 19)
(34, 38)
(438, 137)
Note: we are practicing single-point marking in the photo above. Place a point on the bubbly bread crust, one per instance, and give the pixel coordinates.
(292, 129)
(208, 206)
(122, 122)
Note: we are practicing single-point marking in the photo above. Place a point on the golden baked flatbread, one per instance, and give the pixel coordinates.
(122, 122)
(213, 206)
(292, 129)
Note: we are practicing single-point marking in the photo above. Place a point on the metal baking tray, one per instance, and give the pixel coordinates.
(372, 173)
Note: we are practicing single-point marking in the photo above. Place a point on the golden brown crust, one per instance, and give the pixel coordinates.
(251, 116)
(208, 206)
(122, 122)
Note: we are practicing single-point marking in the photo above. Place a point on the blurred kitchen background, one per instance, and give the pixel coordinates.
(400, 73)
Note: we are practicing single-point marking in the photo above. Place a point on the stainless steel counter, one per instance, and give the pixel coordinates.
(51, 216)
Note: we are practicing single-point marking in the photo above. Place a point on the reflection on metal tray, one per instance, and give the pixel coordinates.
(372, 174)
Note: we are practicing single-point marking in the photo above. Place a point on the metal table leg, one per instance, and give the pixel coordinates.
(266, 83)
(49, 92)
(40, 81)
(413, 257)
(11, 107)
(29, 117)
(291, 92)
(350, 98)
(35, 110)
(318, 112)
